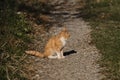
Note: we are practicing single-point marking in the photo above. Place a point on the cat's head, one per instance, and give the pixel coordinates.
(65, 33)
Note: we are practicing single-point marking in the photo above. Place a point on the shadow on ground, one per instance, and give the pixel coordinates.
(69, 52)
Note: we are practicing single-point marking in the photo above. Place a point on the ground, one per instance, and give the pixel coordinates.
(81, 56)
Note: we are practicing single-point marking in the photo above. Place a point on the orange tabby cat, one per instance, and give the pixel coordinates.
(54, 46)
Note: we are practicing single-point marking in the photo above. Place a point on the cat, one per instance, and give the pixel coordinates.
(54, 46)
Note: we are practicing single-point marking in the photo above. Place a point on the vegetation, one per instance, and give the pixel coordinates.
(14, 31)
(104, 17)
(13, 41)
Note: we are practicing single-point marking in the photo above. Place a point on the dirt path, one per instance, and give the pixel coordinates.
(81, 57)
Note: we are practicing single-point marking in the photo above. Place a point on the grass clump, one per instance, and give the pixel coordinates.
(105, 9)
(106, 36)
(13, 41)
(104, 17)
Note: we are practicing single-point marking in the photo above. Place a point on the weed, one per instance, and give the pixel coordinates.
(104, 18)
(13, 42)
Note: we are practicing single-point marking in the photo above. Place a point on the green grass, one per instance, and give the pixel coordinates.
(13, 42)
(14, 37)
(106, 37)
(104, 17)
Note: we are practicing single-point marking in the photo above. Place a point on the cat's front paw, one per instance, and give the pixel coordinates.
(61, 57)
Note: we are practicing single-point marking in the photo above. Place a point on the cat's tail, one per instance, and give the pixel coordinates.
(35, 53)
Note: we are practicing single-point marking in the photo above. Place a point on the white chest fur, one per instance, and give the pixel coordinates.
(63, 41)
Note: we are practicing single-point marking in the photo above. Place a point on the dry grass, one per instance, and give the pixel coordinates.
(14, 37)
